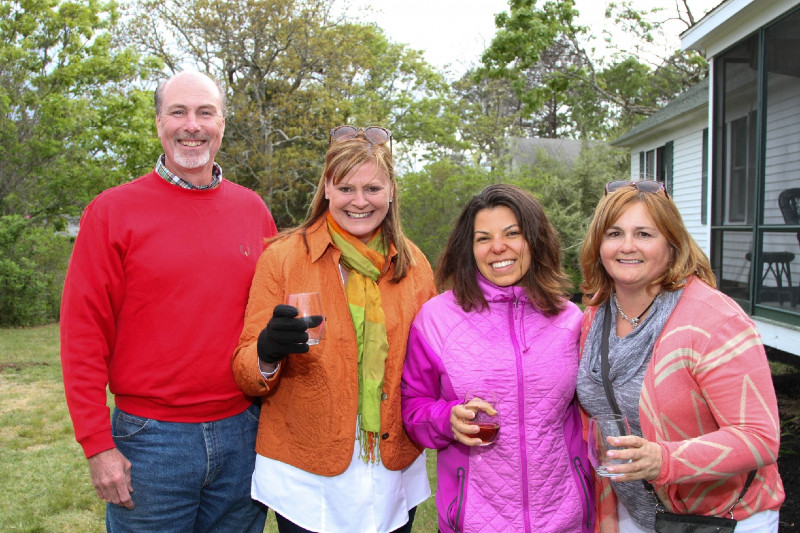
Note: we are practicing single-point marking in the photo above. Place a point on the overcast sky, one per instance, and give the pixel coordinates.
(455, 32)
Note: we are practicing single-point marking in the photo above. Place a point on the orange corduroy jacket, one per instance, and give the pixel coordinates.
(310, 405)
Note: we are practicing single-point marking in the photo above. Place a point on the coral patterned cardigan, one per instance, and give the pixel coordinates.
(709, 401)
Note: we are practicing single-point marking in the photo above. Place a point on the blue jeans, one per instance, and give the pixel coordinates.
(188, 478)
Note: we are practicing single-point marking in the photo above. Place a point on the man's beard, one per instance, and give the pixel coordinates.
(192, 161)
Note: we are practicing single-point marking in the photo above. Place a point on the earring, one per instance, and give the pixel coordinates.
(326, 197)
(390, 200)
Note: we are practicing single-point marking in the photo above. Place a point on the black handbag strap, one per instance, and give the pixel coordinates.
(604, 372)
(604, 365)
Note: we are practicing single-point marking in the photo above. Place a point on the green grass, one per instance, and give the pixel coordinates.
(44, 478)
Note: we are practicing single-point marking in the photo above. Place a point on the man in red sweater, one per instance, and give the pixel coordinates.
(152, 308)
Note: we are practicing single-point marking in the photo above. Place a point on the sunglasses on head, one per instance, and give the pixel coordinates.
(642, 185)
(374, 134)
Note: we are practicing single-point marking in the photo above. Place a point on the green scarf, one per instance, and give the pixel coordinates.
(365, 263)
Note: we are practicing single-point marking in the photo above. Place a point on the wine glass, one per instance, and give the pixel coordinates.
(309, 304)
(600, 428)
(479, 401)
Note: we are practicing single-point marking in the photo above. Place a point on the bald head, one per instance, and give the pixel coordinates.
(189, 76)
(190, 120)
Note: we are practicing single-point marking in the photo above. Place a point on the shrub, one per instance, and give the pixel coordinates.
(33, 262)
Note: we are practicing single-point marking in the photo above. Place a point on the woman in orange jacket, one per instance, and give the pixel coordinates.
(332, 452)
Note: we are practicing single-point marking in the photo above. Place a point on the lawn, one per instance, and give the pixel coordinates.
(44, 478)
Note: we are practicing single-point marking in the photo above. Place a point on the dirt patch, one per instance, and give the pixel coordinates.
(20, 366)
(787, 389)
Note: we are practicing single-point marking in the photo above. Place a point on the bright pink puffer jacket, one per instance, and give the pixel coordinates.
(535, 477)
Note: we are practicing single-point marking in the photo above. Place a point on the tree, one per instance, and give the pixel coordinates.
(433, 198)
(490, 113)
(33, 260)
(569, 194)
(565, 91)
(69, 106)
(292, 71)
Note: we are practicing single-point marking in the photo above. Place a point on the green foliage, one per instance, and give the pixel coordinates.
(33, 260)
(489, 112)
(292, 72)
(61, 82)
(565, 92)
(433, 198)
(569, 194)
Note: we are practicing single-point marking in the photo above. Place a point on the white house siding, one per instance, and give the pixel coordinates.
(635, 167)
(687, 188)
(687, 172)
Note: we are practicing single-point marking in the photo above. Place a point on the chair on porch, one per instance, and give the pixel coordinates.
(779, 263)
(789, 204)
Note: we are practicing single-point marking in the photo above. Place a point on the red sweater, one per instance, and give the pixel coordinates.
(154, 301)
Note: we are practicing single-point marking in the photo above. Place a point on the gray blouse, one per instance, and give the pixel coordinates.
(628, 358)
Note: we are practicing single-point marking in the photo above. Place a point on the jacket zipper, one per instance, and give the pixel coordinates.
(576, 462)
(521, 410)
(459, 500)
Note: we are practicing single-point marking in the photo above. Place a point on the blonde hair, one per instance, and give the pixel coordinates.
(344, 157)
(687, 257)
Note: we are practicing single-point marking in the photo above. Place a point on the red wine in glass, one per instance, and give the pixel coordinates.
(487, 431)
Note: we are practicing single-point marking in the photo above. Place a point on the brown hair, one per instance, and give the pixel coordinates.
(687, 257)
(343, 158)
(545, 282)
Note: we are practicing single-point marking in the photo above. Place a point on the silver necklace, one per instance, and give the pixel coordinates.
(633, 321)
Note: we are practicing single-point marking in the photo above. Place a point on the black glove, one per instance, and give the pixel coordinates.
(285, 333)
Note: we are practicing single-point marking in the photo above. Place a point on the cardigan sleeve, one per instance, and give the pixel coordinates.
(723, 421)
(426, 410)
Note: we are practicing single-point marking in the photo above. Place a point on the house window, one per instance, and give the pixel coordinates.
(657, 164)
(755, 166)
(741, 170)
(649, 170)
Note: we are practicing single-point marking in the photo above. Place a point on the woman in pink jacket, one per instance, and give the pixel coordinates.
(505, 325)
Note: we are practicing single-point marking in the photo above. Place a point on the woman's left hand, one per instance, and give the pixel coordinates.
(645, 457)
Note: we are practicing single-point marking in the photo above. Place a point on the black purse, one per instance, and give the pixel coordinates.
(692, 523)
(667, 522)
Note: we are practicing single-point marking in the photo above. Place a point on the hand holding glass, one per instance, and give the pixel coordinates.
(482, 403)
(309, 304)
(600, 428)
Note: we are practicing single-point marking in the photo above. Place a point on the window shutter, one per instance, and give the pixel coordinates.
(704, 181)
(668, 151)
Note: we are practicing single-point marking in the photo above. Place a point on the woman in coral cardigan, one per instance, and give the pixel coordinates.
(687, 368)
(332, 452)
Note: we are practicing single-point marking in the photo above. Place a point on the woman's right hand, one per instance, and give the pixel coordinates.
(285, 333)
(460, 418)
